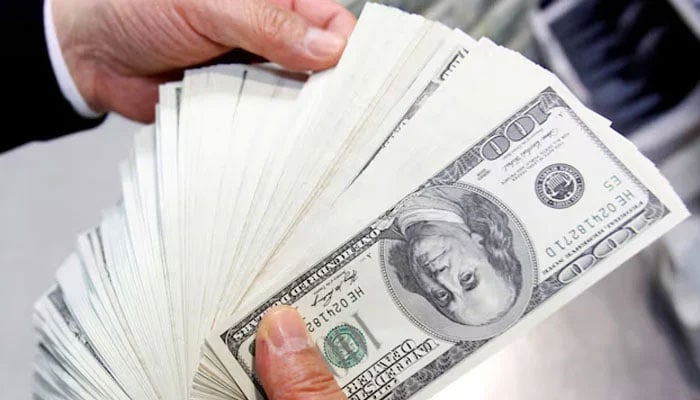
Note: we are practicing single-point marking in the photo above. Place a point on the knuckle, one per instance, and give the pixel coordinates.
(317, 386)
(308, 378)
(273, 24)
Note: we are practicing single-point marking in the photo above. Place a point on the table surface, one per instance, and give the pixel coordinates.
(605, 344)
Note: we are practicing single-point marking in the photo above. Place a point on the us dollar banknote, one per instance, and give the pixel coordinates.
(532, 214)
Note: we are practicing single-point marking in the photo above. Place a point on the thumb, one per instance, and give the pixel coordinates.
(286, 361)
(282, 33)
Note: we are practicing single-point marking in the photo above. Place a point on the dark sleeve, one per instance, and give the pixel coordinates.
(33, 105)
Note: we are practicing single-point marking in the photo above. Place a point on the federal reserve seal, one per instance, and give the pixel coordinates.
(559, 186)
(344, 346)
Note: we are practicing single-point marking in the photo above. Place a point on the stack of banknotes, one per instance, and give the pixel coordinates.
(421, 204)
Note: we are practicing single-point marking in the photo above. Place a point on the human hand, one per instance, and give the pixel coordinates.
(287, 362)
(119, 51)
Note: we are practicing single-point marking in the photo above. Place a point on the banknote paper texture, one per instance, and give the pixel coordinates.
(421, 204)
(518, 218)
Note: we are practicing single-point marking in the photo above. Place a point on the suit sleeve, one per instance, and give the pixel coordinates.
(34, 107)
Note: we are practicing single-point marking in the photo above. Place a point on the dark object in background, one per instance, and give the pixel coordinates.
(635, 59)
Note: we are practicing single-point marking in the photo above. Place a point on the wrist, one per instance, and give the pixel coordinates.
(70, 59)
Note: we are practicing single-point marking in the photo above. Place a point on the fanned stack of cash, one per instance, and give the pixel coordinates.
(420, 204)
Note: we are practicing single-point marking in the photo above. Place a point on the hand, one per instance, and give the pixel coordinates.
(119, 51)
(287, 362)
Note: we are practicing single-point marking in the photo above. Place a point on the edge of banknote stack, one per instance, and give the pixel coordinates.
(452, 181)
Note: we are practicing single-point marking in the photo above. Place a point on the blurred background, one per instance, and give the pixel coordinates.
(635, 335)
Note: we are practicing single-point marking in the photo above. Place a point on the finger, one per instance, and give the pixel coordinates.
(326, 14)
(289, 366)
(270, 30)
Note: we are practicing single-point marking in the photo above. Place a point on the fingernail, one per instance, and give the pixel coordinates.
(284, 331)
(322, 43)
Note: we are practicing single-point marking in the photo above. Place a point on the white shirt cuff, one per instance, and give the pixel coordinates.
(60, 70)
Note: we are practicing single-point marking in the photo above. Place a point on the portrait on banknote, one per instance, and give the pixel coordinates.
(451, 263)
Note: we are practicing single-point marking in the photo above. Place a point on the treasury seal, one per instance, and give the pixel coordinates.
(344, 346)
(559, 186)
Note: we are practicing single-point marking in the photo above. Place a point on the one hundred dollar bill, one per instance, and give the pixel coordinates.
(522, 221)
(420, 204)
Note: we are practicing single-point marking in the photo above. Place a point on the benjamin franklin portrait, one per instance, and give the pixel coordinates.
(454, 247)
